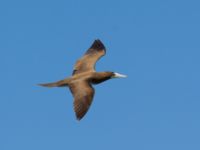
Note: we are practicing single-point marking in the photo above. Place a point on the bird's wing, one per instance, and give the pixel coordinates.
(92, 55)
(83, 94)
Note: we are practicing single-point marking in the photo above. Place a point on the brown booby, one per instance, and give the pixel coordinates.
(83, 76)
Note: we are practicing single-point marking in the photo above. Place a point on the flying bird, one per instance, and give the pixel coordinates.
(83, 77)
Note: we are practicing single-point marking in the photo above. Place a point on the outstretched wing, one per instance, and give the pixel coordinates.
(83, 94)
(92, 55)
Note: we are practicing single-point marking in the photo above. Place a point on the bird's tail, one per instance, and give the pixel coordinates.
(60, 83)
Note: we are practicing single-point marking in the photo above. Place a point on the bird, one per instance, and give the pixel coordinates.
(83, 77)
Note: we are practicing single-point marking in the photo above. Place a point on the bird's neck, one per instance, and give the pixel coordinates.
(101, 77)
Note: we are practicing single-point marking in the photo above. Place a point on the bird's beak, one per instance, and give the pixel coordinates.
(117, 75)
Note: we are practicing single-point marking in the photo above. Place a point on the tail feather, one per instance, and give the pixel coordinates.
(49, 85)
(60, 83)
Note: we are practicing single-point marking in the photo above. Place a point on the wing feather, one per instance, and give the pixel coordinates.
(92, 55)
(83, 94)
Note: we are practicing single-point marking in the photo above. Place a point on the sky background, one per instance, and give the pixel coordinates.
(156, 43)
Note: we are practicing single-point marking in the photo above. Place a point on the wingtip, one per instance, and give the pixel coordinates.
(97, 44)
(78, 119)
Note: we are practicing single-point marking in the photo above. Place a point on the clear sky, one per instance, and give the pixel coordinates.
(156, 43)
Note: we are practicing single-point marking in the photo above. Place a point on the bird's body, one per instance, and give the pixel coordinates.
(83, 76)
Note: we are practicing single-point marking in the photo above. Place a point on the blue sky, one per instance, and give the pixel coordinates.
(156, 43)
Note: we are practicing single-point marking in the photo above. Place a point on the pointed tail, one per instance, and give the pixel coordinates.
(60, 83)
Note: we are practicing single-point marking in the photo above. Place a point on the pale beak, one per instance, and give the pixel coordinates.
(117, 75)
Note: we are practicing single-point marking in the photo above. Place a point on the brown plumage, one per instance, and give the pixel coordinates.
(83, 76)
